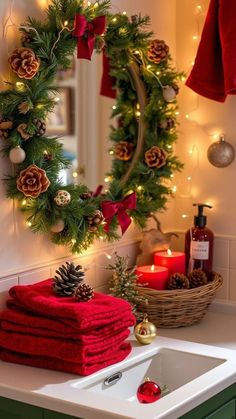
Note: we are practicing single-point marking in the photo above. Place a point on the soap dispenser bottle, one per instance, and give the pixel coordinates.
(199, 243)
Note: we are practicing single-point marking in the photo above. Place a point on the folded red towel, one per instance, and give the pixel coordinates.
(66, 366)
(66, 349)
(32, 324)
(214, 72)
(40, 298)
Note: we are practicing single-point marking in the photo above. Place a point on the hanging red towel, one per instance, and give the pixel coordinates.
(66, 366)
(32, 324)
(40, 298)
(214, 72)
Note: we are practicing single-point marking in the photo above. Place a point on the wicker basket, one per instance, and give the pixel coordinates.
(176, 308)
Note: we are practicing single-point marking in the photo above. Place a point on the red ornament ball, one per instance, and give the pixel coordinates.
(148, 392)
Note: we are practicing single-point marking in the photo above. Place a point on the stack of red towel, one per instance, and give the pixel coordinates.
(44, 330)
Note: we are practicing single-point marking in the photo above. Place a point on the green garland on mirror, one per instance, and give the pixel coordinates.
(142, 135)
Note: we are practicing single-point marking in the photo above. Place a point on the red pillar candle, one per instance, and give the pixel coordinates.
(174, 261)
(153, 276)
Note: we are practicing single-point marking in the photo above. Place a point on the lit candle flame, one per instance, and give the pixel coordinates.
(153, 268)
(169, 252)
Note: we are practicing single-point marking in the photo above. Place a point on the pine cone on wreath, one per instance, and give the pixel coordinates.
(67, 279)
(83, 293)
(197, 278)
(94, 221)
(5, 125)
(177, 281)
(158, 51)
(40, 127)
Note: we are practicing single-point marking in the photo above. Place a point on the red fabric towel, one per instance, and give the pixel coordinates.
(66, 366)
(21, 321)
(68, 350)
(40, 298)
(214, 72)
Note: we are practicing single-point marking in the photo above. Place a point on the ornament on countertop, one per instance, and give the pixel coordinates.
(58, 226)
(155, 157)
(62, 198)
(32, 181)
(83, 293)
(169, 92)
(148, 391)
(24, 62)
(197, 278)
(67, 279)
(158, 51)
(17, 155)
(145, 332)
(177, 281)
(221, 153)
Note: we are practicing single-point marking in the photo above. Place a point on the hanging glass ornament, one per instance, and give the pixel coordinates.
(17, 155)
(169, 93)
(221, 153)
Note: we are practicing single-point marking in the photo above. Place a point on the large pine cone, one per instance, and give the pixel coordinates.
(32, 181)
(177, 281)
(67, 279)
(24, 62)
(124, 150)
(84, 292)
(5, 125)
(197, 278)
(155, 157)
(158, 51)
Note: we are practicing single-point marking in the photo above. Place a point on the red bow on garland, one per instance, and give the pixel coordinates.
(86, 32)
(112, 208)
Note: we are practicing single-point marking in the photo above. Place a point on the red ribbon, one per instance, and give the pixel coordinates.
(108, 82)
(118, 208)
(86, 33)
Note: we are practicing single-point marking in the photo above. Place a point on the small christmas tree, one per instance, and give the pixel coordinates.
(123, 283)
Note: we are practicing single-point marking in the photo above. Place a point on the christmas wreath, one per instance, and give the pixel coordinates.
(138, 74)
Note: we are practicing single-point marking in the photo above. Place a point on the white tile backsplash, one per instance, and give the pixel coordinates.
(98, 277)
(5, 285)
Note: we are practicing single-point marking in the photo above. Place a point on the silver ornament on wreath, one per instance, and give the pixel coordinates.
(169, 93)
(221, 153)
(62, 198)
(17, 155)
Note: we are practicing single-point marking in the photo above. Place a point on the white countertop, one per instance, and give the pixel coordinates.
(64, 393)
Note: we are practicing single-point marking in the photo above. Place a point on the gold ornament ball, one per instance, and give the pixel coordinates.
(62, 198)
(145, 332)
(17, 155)
(221, 153)
(169, 93)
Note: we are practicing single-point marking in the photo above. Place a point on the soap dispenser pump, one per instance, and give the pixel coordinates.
(199, 243)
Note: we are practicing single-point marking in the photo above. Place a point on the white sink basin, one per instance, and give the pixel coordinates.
(169, 367)
(192, 372)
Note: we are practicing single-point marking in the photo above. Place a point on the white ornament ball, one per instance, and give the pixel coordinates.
(62, 198)
(17, 155)
(169, 93)
(221, 153)
(58, 226)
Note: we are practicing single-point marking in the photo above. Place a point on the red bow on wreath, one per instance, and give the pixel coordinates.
(86, 32)
(112, 208)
